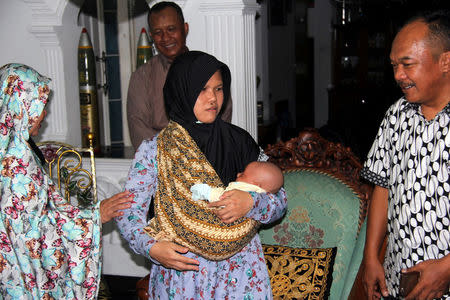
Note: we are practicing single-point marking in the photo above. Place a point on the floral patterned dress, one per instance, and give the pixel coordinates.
(49, 249)
(243, 276)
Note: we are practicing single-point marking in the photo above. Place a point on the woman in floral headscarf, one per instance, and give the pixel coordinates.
(49, 249)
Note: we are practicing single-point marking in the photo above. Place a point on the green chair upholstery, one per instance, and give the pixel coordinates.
(326, 203)
(356, 262)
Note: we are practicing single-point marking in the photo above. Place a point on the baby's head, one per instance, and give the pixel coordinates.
(266, 175)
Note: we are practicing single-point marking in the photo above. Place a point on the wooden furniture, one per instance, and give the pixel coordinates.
(310, 150)
(327, 205)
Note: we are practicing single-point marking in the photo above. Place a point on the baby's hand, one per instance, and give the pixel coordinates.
(200, 191)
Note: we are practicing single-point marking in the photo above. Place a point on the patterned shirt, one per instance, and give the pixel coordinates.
(243, 276)
(410, 158)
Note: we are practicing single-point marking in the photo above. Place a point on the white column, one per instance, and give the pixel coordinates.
(57, 116)
(47, 26)
(230, 36)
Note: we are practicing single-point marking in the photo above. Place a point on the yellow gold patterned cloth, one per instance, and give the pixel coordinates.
(299, 273)
(178, 218)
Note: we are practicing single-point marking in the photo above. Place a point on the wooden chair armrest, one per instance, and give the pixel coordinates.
(142, 288)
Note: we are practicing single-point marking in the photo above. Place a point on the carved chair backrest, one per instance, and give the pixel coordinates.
(327, 204)
(309, 150)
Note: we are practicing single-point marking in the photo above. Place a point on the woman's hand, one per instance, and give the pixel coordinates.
(169, 255)
(111, 207)
(232, 205)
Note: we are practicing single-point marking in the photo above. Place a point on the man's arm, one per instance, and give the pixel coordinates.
(137, 110)
(374, 281)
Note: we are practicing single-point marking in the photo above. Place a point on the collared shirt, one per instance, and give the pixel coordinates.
(146, 113)
(410, 158)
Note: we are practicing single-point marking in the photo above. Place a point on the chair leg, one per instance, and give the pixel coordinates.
(142, 288)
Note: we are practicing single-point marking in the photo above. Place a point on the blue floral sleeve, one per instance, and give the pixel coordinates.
(268, 207)
(142, 182)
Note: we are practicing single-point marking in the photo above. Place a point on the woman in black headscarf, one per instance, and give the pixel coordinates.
(197, 146)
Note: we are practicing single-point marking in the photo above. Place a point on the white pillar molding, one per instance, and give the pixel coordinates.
(57, 116)
(230, 36)
(46, 12)
(46, 18)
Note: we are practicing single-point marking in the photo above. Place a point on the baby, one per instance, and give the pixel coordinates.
(258, 177)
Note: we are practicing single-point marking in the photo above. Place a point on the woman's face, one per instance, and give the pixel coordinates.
(210, 99)
(34, 130)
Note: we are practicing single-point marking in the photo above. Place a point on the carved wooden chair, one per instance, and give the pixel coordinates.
(327, 205)
(75, 179)
(309, 150)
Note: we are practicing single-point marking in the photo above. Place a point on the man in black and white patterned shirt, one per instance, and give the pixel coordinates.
(409, 163)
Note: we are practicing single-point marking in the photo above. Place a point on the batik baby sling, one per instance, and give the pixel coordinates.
(178, 218)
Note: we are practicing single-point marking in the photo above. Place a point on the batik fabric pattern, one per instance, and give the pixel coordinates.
(189, 223)
(49, 249)
(242, 276)
(410, 158)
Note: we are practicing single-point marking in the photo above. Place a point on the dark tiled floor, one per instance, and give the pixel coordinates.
(120, 288)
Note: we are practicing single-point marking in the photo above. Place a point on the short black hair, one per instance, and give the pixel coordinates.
(163, 5)
(438, 22)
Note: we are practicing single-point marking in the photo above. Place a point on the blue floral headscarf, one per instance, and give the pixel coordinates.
(24, 93)
(49, 249)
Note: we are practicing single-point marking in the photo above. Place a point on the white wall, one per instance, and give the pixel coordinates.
(22, 45)
(17, 41)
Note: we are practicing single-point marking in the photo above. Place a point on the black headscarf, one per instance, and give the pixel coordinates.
(227, 147)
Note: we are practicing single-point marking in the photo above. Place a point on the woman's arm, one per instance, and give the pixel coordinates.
(268, 207)
(142, 181)
(114, 206)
